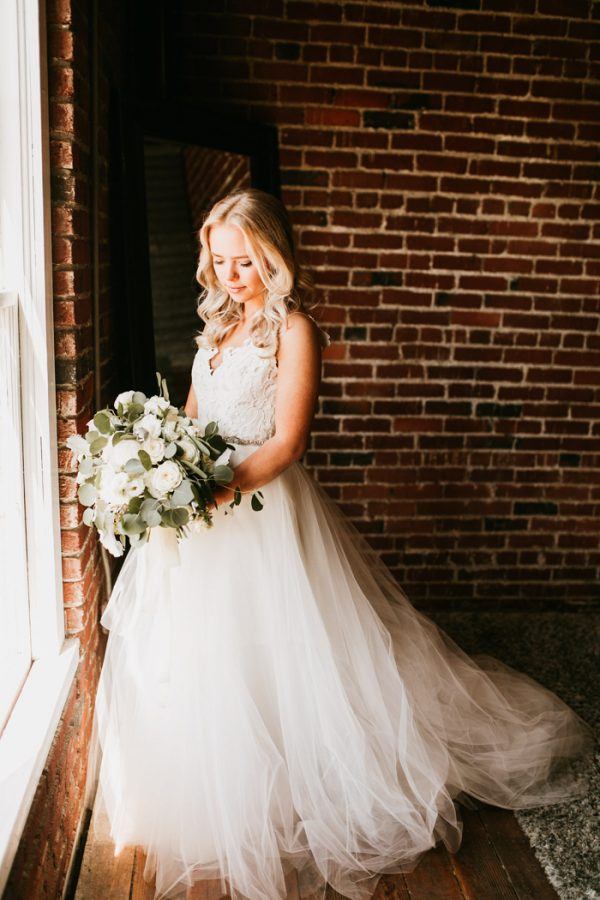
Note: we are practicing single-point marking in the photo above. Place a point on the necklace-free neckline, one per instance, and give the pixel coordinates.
(229, 349)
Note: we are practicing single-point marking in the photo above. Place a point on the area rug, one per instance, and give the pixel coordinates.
(561, 651)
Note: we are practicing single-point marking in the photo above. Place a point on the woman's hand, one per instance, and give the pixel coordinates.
(223, 494)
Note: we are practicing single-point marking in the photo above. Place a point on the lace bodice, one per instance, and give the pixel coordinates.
(239, 394)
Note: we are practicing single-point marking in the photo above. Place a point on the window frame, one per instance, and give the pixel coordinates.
(31, 726)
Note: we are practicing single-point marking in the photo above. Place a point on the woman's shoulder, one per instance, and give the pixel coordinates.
(301, 326)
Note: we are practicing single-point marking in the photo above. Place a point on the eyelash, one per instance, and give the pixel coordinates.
(243, 265)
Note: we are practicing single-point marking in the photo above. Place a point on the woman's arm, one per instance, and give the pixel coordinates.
(191, 404)
(298, 381)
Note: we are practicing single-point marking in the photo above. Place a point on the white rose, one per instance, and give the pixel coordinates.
(117, 455)
(135, 486)
(170, 430)
(156, 405)
(163, 479)
(78, 445)
(112, 487)
(155, 448)
(118, 488)
(148, 424)
(125, 398)
(190, 451)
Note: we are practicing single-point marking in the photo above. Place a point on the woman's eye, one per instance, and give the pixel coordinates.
(219, 262)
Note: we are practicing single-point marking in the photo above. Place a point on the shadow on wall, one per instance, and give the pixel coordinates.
(183, 181)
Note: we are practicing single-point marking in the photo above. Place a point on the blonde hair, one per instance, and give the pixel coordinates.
(264, 222)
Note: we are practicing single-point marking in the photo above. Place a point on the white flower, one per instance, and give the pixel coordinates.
(163, 479)
(155, 448)
(147, 426)
(170, 430)
(156, 405)
(107, 536)
(125, 398)
(190, 451)
(223, 459)
(78, 445)
(116, 455)
(112, 487)
(117, 488)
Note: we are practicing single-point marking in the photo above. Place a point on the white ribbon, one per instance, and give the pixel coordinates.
(155, 560)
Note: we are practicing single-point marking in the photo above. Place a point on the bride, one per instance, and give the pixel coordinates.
(270, 703)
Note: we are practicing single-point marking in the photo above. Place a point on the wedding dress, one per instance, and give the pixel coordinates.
(270, 699)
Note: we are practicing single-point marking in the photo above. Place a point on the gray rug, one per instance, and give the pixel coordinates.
(560, 650)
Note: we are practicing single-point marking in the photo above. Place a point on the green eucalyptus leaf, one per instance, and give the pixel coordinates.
(211, 429)
(87, 493)
(223, 473)
(135, 504)
(199, 472)
(135, 411)
(255, 503)
(183, 494)
(102, 422)
(98, 445)
(218, 444)
(88, 516)
(180, 515)
(145, 459)
(150, 513)
(91, 435)
(134, 466)
(132, 524)
(151, 516)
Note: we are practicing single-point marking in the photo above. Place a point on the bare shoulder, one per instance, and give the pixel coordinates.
(299, 334)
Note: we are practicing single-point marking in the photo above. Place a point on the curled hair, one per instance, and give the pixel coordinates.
(264, 222)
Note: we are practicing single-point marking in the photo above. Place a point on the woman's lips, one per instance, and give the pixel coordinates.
(235, 290)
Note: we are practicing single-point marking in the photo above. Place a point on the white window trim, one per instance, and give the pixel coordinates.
(29, 732)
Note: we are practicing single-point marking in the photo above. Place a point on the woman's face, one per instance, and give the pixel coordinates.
(233, 266)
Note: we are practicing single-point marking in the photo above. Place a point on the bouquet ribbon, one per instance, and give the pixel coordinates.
(156, 560)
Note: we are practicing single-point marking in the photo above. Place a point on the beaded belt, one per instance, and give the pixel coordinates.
(231, 439)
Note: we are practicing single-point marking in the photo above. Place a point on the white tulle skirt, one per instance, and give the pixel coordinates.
(270, 700)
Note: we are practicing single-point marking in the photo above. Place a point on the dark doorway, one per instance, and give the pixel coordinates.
(176, 163)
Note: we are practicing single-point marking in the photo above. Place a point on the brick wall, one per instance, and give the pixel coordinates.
(438, 161)
(210, 174)
(45, 851)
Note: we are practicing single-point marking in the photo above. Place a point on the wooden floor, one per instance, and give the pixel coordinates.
(494, 862)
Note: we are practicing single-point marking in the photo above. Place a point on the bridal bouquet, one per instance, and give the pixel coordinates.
(145, 464)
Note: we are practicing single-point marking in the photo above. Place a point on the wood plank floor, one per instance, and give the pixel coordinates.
(494, 862)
